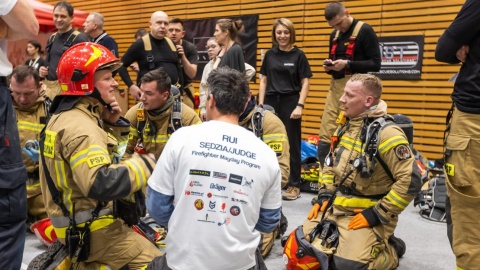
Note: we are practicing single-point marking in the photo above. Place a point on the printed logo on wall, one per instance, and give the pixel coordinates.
(402, 57)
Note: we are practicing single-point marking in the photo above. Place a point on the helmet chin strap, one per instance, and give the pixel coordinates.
(96, 94)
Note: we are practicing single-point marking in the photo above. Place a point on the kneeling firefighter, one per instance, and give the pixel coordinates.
(79, 180)
(368, 179)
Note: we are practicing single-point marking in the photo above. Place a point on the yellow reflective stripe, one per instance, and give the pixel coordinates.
(81, 156)
(97, 224)
(398, 201)
(61, 177)
(354, 202)
(140, 176)
(132, 129)
(25, 125)
(158, 139)
(390, 143)
(326, 178)
(274, 137)
(459, 268)
(34, 186)
(350, 143)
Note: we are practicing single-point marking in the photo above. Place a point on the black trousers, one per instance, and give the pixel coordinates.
(284, 106)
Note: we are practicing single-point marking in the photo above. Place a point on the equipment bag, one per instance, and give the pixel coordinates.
(432, 200)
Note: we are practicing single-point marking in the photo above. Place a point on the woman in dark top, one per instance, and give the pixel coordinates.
(34, 50)
(284, 86)
(231, 55)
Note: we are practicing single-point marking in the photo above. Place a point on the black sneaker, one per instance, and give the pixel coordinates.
(398, 244)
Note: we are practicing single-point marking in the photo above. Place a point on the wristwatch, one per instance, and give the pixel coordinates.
(301, 105)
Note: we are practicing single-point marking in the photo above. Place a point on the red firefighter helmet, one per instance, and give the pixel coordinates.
(313, 139)
(44, 231)
(78, 64)
(299, 254)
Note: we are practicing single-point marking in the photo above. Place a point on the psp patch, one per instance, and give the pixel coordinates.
(402, 152)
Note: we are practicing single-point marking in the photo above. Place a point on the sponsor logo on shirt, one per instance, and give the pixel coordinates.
(219, 175)
(212, 204)
(195, 184)
(235, 210)
(198, 204)
(241, 192)
(226, 221)
(199, 172)
(248, 183)
(223, 206)
(238, 200)
(236, 179)
(206, 219)
(193, 193)
(288, 64)
(217, 187)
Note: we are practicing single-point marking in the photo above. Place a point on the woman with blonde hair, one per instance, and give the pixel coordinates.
(284, 86)
(231, 55)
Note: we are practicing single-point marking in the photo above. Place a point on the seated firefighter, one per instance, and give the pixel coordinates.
(263, 122)
(369, 178)
(79, 180)
(158, 115)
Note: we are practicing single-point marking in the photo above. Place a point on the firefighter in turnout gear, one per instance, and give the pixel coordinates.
(31, 110)
(369, 178)
(353, 49)
(270, 129)
(79, 180)
(158, 115)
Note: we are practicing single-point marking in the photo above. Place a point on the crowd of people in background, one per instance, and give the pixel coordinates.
(81, 187)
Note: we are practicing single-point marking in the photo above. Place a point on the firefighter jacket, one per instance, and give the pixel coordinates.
(78, 151)
(157, 128)
(30, 122)
(275, 135)
(388, 197)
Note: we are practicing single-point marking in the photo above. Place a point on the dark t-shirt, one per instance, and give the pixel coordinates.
(285, 71)
(234, 58)
(107, 41)
(366, 53)
(464, 30)
(163, 56)
(192, 56)
(36, 63)
(57, 49)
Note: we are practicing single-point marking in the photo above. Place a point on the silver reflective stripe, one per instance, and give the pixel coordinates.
(80, 217)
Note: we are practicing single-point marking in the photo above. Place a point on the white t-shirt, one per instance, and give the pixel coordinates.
(5, 65)
(220, 175)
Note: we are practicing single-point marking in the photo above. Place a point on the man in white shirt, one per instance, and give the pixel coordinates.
(17, 21)
(216, 191)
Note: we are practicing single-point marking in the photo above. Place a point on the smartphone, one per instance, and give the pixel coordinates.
(328, 64)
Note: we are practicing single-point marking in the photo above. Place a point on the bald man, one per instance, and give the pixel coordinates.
(151, 52)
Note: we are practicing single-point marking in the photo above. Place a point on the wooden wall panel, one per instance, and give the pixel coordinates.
(426, 101)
